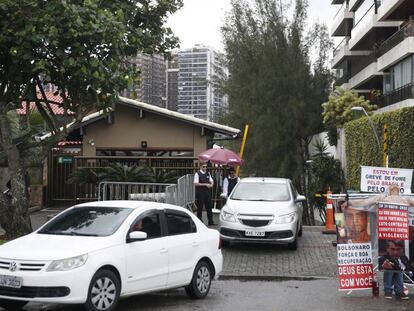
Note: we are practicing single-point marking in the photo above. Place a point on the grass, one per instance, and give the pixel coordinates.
(2, 241)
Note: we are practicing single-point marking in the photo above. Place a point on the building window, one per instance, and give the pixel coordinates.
(399, 75)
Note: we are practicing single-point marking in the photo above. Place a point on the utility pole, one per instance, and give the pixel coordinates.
(246, 130)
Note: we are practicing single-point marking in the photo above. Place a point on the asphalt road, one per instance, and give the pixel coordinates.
(255, 295)
(315, 260)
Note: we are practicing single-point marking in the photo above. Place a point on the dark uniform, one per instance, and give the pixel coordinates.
(232, 183)
(203, 197)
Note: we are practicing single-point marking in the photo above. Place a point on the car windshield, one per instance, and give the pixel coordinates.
(261, 191)
(87, 221)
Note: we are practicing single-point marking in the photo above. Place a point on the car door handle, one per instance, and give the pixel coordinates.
(164, 250)
(195, 244)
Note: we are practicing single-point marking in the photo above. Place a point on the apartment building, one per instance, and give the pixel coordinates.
(172, 82)
(152, 89)
(376, 54)
(200, 70)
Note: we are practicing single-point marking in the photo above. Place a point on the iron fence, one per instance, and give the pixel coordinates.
(396, 96)
(406, 31)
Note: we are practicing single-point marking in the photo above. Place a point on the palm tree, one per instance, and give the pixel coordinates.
(124, 173)
(85, 176)
(163, 176)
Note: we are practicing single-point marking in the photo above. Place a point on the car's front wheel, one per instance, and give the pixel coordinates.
(201, 281)
(294, 244)
(300, 230)
(104, 291)
(12, 304)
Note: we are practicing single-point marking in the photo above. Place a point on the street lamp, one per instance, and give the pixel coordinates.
(361, 109)
(308, 163)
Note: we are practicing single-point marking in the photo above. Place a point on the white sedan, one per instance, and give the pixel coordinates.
(97, 252)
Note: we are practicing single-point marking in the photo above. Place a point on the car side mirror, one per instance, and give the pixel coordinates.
(300, 198)
(136, 236)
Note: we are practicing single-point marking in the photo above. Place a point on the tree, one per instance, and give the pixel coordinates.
(124, 173)
(82, 47)
(337, 110)
(325, 173)
(274, 86)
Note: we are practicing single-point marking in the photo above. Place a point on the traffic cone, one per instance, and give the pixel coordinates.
(330, 227)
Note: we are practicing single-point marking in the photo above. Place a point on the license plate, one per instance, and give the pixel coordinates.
(254, 233)
(11, 281)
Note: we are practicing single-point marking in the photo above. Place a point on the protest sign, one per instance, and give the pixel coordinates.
(393, 236)
(392, 221)
(355, 266)
(378, 179)
(354, 250)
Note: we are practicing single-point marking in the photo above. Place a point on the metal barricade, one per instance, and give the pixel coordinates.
(111, 190)
(186, 191)
(182, 194)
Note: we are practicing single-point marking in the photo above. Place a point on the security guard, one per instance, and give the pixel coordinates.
(230, 182)
(203, 183)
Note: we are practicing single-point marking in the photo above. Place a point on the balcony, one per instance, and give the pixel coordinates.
(342, 52)
(365, 74)
(353, 4)
(395, 10)
(402, 96)
(343, 20)
(342, 76)
(368, 29)
(397, 47)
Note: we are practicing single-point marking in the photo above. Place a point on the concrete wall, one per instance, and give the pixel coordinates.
(337, 151)
(323, 136)
(129, 129)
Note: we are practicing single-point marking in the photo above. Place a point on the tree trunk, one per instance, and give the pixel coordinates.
(14, 209)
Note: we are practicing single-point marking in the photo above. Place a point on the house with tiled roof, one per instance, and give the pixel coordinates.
(129, 132)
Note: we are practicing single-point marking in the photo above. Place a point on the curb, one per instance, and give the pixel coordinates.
(35, 209)
(277, 278)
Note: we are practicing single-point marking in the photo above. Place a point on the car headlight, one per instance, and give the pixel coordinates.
(285, 219)
(227, 215)
(68, 263)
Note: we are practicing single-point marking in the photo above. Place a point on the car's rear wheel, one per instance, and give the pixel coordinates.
(201, 281)
(104, 291)
(12, 304)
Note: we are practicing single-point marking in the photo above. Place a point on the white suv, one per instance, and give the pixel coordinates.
(263, 209)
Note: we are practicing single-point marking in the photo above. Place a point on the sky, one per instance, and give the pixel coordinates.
(199, 21)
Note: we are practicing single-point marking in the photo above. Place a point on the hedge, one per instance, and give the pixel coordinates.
(362, 149)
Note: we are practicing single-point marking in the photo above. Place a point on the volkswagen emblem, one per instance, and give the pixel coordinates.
(13, 266)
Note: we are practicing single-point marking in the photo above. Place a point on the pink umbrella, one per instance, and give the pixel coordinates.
(221, 156)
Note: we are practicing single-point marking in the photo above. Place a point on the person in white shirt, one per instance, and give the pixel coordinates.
(203, 183)
(230, 182)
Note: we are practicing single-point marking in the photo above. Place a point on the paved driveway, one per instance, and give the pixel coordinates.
(315, 257)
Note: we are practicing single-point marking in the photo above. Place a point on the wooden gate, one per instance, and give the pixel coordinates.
(59, 191)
